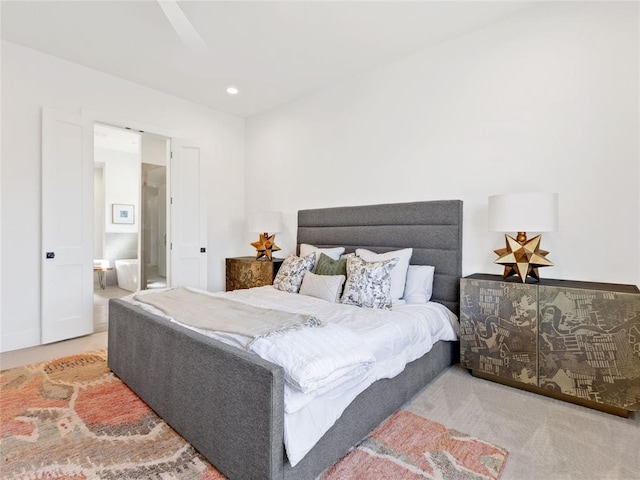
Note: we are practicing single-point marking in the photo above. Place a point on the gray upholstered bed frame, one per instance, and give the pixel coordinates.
(228, 403)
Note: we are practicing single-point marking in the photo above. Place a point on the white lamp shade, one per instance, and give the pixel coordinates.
(270, 222)
(523, 212)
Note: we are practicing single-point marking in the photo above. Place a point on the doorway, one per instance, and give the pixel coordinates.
(153, 212)
(130, 215)
(68, 279)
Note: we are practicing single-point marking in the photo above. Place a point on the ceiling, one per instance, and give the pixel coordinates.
(273, 52)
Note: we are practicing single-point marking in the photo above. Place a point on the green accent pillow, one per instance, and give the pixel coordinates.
(328, 266)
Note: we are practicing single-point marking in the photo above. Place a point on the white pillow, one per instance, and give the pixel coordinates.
(399, 272)
(291, 272)
(325, 287)
(306, 249)
(368, 283)
(419, 285)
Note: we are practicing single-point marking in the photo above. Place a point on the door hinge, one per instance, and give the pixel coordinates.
(170, 200)
(171, 154)
(171, 246)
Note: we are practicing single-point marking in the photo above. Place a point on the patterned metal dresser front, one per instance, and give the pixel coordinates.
(247, 272)
(590, 344)
(577, 341)
(498, 329)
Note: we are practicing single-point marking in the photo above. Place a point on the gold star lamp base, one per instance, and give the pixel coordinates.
(522, 257)
(265, 245)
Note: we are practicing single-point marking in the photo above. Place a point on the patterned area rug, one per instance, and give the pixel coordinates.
(71, 418)
(410, 447)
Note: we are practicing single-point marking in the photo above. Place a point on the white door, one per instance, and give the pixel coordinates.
(188, 216)
(67, 226)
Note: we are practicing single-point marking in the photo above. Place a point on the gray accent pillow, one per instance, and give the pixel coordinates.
(291, 273)
(368, 283)
(328, 266)
(325, 287)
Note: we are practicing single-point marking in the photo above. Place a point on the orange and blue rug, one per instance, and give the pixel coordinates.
(71, 418)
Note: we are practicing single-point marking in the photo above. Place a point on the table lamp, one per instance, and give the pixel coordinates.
(523, 212)
(265, 222)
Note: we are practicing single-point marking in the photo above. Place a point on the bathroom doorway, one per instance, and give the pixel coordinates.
(153, 214)
(130, 215)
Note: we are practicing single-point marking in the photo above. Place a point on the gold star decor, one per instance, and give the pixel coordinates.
(265, 245)
(522, 258)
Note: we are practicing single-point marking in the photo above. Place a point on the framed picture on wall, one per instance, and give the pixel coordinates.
(122, 213)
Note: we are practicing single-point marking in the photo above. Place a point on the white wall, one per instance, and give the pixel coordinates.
(31, 80)
(154, 149)
(546, 100)
(122, 172)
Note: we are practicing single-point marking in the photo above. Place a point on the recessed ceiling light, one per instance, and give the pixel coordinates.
(232, 90)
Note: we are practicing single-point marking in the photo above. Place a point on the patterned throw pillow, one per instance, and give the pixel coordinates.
(325, 287)
(328, 266)
(398, 274)
(368, 283)
(291, 273)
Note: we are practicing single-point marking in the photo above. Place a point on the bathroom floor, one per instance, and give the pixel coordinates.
(154, 279)
(101, 305)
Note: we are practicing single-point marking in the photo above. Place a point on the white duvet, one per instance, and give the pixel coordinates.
(386, 340)
(315, 358)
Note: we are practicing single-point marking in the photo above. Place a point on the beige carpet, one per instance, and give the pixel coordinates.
(546, 439)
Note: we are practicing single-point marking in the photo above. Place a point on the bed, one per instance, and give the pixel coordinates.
(228, 403)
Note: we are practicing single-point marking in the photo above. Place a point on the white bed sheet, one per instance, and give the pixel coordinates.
(395, 337)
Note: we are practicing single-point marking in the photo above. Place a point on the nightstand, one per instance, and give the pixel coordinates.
(574, 341)
(247, 272)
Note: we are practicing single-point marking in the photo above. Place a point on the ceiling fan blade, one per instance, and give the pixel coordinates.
(182, 25)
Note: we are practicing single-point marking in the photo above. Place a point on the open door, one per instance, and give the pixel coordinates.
(188, 216)
(67, 226)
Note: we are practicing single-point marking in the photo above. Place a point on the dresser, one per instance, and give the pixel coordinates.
(247, 272)
(575, 341)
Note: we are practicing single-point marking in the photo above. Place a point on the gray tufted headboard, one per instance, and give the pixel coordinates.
(433, 229)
